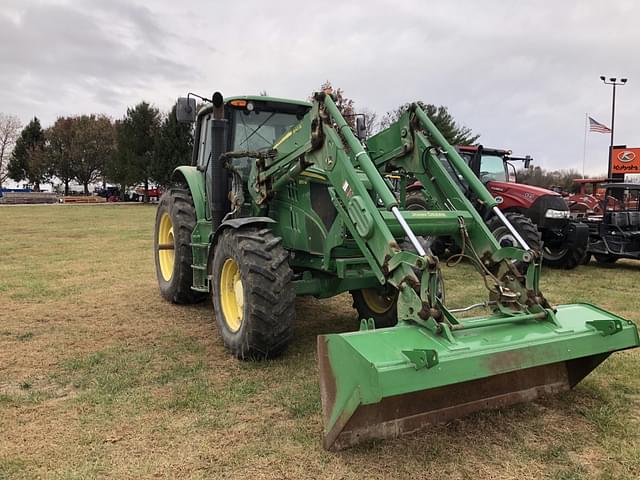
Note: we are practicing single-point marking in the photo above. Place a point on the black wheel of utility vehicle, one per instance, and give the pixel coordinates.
(379, 303)
(441, 247)
(587, 259)
(175, 220)
(523, 225)
(253, 295)
(605, 258)
(567, 258)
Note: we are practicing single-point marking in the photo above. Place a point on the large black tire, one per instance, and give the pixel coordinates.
(567, 258)
(175, 276)
(264, 301)
(379, 303)
(605, 258)
(523, 225)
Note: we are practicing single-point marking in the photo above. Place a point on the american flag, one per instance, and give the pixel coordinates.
(598, 127)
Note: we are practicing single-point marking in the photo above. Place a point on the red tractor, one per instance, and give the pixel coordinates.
(541, 216)
(588, 201)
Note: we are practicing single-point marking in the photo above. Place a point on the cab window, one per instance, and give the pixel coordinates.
(258, 131)
(204, 149)
(492, 169)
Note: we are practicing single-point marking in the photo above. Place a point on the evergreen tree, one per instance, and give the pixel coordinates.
(28, 160)
(136, 135)
(453, 132)
(173, 148)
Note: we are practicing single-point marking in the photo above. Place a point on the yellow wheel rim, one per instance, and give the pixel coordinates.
(231, 294)
(377, 301)
(166, 247)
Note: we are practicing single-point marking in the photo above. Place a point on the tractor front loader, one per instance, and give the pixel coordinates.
(283, 199)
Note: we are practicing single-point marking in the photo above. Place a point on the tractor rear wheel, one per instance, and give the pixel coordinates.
(379, 303)
(253, 295)
(175, 220)
(523, 225)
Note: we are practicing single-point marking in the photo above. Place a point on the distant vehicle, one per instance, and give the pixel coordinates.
(14, 190)
(137, 194)
(588, 200)
(112, 194)
(615, 233)
(541, 216)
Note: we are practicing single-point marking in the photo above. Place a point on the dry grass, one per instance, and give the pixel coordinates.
(100, 378)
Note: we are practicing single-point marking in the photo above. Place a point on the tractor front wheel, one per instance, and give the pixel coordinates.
(175, 220)
(253, 295)
(379, 303)
(564, 257)
(523, 225)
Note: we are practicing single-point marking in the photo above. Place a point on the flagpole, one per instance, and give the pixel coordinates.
(584, 145)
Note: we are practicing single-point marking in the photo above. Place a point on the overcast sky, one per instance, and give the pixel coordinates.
(522, 74)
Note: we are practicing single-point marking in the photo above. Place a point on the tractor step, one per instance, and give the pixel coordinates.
(386, 382)
(200, 252)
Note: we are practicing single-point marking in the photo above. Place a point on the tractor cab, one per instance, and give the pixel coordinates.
(615, 233)
(251, 124)
(492, 164)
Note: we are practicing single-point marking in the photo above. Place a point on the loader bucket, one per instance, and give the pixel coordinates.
(377, 384)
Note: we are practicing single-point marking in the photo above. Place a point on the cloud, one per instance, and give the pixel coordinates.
(523, 74)
(58, 58)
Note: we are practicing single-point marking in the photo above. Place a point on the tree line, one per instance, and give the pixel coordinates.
(142, 147)
(551, 179)
(145, 146)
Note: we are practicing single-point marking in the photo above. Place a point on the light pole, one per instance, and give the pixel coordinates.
(612, 81)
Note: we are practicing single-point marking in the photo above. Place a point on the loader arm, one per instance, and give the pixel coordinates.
(432, 366)
(324, 139)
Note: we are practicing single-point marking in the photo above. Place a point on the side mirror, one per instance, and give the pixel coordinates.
(527, 162)
(361, 127)
(186, 110)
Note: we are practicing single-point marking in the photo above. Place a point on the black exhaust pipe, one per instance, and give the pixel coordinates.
(219, 188)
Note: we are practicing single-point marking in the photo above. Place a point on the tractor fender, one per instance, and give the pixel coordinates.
(234, 223)
(195, 182)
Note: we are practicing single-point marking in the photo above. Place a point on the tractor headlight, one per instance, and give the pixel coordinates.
(551, 213)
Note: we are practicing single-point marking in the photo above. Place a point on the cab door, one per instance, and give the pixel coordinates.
(204, 158)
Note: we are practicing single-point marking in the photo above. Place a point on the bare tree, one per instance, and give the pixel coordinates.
(371, 122)
(9, 130)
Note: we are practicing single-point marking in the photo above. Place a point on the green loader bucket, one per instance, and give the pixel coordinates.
(383, 383)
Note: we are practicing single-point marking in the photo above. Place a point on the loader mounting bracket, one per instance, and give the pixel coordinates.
(421, 358)
(606, 327)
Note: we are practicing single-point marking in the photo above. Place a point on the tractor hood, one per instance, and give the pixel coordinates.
(518, 194)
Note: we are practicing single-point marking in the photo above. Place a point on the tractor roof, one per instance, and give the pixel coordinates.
(262, 98)
(208, 107)
(489, 151)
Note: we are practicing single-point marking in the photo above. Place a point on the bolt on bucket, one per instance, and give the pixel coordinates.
(378, 384)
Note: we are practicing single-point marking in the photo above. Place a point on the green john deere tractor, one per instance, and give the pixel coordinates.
(283, 199)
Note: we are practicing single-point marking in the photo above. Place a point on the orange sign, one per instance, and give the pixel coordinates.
(625, 160)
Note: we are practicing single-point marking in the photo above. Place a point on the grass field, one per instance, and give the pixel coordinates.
(101, 378)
